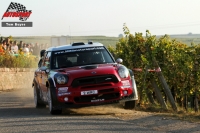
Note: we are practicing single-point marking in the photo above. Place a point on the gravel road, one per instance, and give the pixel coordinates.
(18, 114)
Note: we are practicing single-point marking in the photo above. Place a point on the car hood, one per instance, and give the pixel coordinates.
(89, 70)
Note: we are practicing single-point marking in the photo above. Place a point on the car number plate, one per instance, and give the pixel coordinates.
(89, 92)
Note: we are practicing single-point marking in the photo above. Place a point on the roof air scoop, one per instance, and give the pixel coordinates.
(78, 43)
(90, 42)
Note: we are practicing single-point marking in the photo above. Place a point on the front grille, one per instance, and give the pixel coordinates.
(94, 86)
(106, 90)
(94, 80)
(85, 99)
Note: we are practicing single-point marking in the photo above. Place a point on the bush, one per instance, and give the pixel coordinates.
(18, 61)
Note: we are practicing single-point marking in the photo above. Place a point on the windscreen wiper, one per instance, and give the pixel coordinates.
(98, 63)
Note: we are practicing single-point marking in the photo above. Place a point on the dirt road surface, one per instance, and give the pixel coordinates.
(18, 114)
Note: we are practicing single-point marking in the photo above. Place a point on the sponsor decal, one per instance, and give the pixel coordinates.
(97, 100)
(89, 92)
(126, 83)
(17, 10)
(62, 94)
(78, 50)
(93, 72)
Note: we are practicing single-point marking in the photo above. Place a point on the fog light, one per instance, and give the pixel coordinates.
(66, 99)
(125, 92)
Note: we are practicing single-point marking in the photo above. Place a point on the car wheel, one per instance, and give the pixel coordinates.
(130, 104)
(37, 99)
(51, 105)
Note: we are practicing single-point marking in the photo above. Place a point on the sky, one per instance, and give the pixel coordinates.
(105, 17)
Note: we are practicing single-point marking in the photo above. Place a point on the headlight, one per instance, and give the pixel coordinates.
(123, 72)
(61, 79)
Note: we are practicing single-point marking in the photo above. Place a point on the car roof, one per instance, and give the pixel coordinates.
(74, 46)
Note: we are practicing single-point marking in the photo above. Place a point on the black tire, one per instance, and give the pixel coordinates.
(37, 100)
(130, 104)
(51, 104)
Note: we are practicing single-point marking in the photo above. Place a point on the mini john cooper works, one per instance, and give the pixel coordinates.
(82, 74)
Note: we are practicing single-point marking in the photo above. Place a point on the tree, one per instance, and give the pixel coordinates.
(120, 36)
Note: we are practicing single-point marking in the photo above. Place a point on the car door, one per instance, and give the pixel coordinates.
(38, 74)
(38, 77)
(44, 75)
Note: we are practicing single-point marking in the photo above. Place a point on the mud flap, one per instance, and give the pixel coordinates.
(134, 88)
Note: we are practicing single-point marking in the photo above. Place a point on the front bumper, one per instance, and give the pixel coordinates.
(61, 105)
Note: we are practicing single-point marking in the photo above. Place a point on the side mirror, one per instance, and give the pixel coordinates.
(44, 68)
(119, 60)
(47, 70)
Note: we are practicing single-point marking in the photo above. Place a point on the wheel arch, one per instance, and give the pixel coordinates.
(34, 83)
(50, 83)
(131, 72)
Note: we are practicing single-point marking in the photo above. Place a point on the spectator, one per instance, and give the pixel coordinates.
(1, 48)
(4, 45)
(8, 40)
(31, 48)
(20, 45)
(28, 46)
(46, 46)
(36, 50)
(1, 39)
(41, 46)
(24, 45)
(14, 47)
(26, 49)
(10, 50)
(10, 43)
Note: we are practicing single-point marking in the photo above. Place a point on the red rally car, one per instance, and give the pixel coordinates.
(82, 74)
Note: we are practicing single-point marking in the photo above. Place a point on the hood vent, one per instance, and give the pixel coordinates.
(89, 67)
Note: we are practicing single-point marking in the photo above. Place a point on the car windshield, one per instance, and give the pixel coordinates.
(80, 57)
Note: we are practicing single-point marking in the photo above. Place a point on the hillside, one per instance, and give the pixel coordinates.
(70, 39)
(185, 38)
